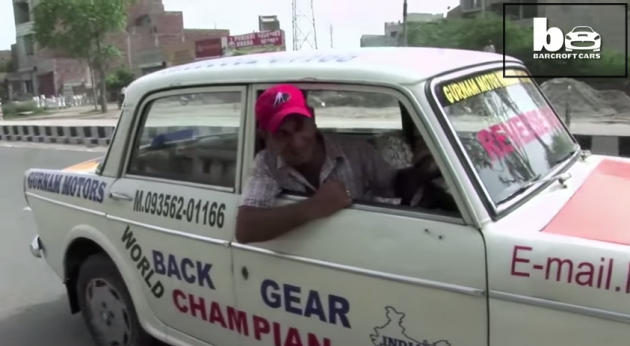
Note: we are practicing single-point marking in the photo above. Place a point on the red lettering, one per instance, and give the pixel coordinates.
(261, 326)
(522, 131)
(197, 307)
(530, 122)
(560, 265)
(513, 136)
(215, 315)
(177, 296)
(502, 141)
(237, 321)
(541, 122)
(489, 144)
(585, 276)
(516, 259)
(277, 335)
(293, 338)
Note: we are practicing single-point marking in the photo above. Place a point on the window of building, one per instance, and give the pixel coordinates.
(190, 138)
(393, 34)
(381, 121)
(21, 12)
(28, 43)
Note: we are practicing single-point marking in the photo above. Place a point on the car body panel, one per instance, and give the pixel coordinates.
(544, 272)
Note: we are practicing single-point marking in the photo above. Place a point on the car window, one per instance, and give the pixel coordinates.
(384, 123)
(190, 138)
(509, 132)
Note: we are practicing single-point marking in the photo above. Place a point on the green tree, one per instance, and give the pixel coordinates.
(474, 34)
(119, 79)
(79, 28)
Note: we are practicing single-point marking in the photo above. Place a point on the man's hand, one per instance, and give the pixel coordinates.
(329, 199)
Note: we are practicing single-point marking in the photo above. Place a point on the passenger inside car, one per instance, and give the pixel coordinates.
(297, 157)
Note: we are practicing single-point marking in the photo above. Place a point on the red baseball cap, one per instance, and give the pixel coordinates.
(276, 103)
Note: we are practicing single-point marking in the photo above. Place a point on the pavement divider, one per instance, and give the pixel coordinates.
(602, 139)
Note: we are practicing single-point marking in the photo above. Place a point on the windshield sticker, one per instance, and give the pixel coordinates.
(243, 323)
(459, 90)
(599, 274)
(394, 333)
(143, 265)
(329, 308)
(87, 188)
(500, 140)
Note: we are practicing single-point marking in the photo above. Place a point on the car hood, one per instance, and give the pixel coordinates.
(599, 209)
(89, 166)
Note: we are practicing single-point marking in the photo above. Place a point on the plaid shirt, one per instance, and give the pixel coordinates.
(355, 164)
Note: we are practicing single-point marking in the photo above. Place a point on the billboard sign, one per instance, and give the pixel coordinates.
(256, 42)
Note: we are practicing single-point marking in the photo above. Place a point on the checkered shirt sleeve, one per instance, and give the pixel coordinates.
(261, 189)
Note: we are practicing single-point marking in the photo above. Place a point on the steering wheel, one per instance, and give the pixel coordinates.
(421, 176)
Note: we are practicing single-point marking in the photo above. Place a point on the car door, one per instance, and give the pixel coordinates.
(174, 208)
(371, 274)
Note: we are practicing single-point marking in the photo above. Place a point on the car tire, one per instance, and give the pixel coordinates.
(106, 305)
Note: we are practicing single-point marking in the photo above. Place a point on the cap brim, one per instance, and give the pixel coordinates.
(279, 117)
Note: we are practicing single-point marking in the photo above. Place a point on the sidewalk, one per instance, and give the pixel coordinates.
(79, 112)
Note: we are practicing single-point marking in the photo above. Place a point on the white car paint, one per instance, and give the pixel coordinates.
(367, 275)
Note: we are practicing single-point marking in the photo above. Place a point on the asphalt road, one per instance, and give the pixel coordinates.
(33, 306)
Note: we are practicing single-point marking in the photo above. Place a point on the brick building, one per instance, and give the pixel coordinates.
(153, 38)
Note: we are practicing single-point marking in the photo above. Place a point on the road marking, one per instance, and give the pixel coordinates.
(26, 209)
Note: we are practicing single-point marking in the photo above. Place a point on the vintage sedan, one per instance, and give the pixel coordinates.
(510, 236)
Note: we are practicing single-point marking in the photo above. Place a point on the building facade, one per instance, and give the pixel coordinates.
(153, 38)
(393, 31)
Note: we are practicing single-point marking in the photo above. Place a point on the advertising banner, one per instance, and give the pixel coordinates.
(209, 48)
(256, 42)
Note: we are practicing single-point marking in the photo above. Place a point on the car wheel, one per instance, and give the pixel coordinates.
(106, 305)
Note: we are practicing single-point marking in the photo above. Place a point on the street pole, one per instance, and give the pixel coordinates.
(483, 8)
(405, 42)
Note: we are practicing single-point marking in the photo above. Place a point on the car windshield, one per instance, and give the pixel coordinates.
(582, 29)
(510, 134)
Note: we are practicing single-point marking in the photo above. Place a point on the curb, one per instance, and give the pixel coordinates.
(101, 136)
(85, 135)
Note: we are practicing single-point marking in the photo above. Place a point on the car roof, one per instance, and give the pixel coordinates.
(391, 65)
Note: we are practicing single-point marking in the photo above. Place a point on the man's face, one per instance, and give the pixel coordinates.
(294, 140)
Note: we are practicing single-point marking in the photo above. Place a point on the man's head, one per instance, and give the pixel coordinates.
(286, 123)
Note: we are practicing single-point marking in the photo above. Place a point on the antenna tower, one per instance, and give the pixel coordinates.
(332, 44)
(304, 30)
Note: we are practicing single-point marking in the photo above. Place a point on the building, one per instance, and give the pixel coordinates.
(153, 38)
(268, 23)
(394, 30)
(603, 19)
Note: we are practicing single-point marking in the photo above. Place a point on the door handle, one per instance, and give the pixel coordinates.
(120, 196)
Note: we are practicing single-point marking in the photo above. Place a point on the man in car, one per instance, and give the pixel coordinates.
(300, 159)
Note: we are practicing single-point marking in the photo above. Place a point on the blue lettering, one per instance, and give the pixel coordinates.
(184, 269)
(173, 270)
(158, 262)
(188, 263)
(291, 298)
(100, 192)
(339, 308)
(86, 188)
(272, 299)
(73, 186)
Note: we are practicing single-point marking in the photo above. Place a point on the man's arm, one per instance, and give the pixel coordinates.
(258, 218)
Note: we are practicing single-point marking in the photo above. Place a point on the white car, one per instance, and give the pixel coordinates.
(582, 35)
(522, 238)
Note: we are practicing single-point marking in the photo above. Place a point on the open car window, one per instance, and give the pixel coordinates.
(508, 131)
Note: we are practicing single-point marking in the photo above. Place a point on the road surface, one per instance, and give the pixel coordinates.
(33, 307)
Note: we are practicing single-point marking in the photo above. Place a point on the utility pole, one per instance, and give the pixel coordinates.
(483, 8)
(405, 42)
(332, 45)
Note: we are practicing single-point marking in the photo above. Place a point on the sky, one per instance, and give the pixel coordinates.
(349, 18)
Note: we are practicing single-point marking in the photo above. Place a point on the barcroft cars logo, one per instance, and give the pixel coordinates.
(393, 333)
(582, 39)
